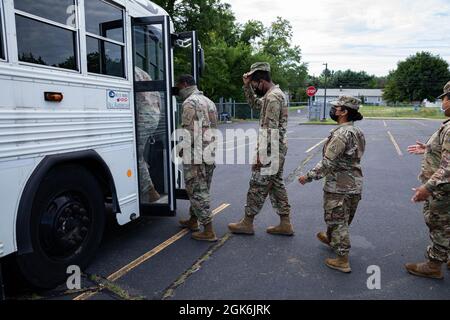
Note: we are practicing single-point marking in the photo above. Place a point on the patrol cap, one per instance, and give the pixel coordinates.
(259, 66)
(347, 101)
(446, 90)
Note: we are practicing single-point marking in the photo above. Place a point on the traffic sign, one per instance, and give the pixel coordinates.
(311, 91)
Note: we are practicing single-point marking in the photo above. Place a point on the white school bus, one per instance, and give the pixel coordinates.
(70, 126)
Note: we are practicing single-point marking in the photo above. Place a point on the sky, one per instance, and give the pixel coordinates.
(363, 35)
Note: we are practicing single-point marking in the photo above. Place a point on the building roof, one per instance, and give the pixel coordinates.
(351, 92)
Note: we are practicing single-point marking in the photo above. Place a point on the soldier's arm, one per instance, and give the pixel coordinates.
(329, 163)
(253, 101)
(270, 122)
(442, 175)
(188, 117)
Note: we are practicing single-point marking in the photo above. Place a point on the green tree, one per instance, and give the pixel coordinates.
(419, 77)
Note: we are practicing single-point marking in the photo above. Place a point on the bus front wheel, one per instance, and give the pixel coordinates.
(67, 223)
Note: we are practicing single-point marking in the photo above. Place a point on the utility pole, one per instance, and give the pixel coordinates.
(325, 99)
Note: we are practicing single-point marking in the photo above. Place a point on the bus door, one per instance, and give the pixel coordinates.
(154, 114)
(188, 59)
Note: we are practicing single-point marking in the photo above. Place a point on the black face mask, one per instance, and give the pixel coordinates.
(333, 114)
(258, 91)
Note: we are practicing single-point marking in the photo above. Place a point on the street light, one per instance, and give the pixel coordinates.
(325, 99)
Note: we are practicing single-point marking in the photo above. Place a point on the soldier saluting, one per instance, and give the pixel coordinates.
(435, 192)
(341, 168)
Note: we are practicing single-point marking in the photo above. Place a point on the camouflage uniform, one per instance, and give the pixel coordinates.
(274, 115)
(435, 176)
(341, 168)
(148, 106)
(199, 109)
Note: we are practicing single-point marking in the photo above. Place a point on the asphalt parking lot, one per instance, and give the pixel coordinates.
(154, 259)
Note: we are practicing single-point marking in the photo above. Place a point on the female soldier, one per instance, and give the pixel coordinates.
(435, 192)
(341, 168)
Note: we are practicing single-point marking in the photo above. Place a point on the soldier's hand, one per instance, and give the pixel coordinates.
(246, 79)
(421, 194)
(303, 180)
(419, 148)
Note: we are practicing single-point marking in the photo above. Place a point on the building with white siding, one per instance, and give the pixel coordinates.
(368, 96)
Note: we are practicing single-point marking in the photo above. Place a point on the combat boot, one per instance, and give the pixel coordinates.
(284, 228)
(430, 269)
(323, 237)
(153, 195)
(245, 226)
(207, 234)
(341, 263)
(191, 224)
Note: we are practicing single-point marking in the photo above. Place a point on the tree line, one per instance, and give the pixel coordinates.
(231, 47)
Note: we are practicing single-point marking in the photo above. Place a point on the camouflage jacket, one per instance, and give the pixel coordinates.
(435, 173)
(148, 105)
(199, 117)
(274, 115)
(341, 163)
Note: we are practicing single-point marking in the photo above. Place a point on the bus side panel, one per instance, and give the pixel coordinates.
(14, 175)
(122, 162)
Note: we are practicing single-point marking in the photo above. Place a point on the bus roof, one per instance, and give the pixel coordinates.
(142, 8)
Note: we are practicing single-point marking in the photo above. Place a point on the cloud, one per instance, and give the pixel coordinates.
(364, 35)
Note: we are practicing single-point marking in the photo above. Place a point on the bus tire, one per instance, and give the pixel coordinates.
(66, 228)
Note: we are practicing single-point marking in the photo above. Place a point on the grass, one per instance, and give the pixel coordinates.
(328, 122)
(401, 112)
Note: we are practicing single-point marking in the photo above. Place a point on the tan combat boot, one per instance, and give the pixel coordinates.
(284, 228)
(191, 224)
(323, 237)
(153, 195)
(207, 234)
(430, 269)
(341, 263)
(245, 226)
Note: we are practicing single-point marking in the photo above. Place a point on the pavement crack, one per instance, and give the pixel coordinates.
(170, 291)
(112, 287)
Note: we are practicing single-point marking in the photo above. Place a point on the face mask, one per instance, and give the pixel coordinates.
(185, 93)
(333, 114)
(258, 91)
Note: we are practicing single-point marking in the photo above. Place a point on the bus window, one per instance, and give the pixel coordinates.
(105, 38)
(2, 48)
(48, 36)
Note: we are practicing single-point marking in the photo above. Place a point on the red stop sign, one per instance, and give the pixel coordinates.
(311, 91)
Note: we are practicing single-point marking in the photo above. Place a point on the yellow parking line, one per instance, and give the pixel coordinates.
(399, 151)
(134, 264)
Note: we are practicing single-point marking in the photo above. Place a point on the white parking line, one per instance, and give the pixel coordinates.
(315, 146)
(399, 151)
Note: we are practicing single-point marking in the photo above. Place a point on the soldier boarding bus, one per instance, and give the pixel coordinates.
(87, 112)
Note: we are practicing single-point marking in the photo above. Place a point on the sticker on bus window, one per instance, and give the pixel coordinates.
(118, 99)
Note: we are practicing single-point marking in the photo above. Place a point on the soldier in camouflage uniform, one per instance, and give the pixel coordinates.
(148, 106)
(263, 95)
(341, 168)
(200, 118)
(435, 192)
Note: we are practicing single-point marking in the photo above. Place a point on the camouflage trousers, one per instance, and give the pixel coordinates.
(262, 186)
(198, 178)
(144, 175)
(437, 218)
(339, 211)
